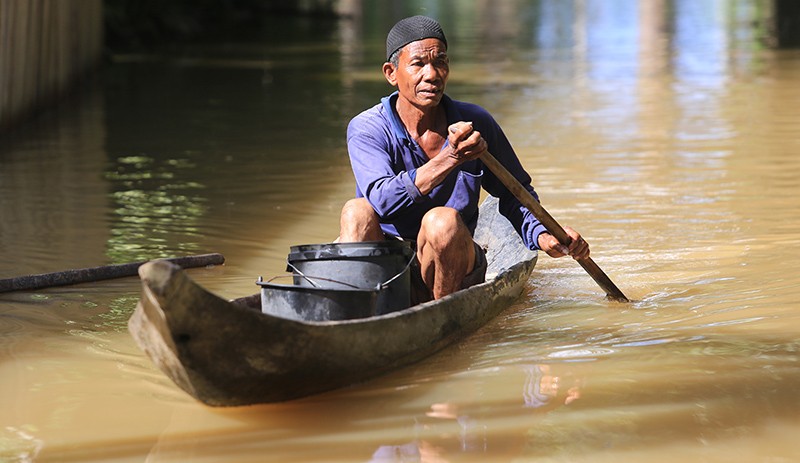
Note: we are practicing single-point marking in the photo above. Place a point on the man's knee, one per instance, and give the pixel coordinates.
(442, 223)
(445, 250)
(358, 210)
(359, 222)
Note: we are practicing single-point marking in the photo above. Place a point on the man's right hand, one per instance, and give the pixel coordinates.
(464, 142)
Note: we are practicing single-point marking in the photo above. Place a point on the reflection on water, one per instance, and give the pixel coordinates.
(662, 130)
(158, 214)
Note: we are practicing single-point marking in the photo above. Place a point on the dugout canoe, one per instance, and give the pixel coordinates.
(229, 353)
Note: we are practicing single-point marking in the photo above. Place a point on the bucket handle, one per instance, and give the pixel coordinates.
(297, 270)
(308, 278)
(408, 265)
(379, 287)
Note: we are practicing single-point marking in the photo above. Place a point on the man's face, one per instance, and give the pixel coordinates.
(421, 72)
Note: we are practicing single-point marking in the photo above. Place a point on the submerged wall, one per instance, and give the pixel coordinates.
(46, 46)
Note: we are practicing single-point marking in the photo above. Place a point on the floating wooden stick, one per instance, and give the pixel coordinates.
(106, 272)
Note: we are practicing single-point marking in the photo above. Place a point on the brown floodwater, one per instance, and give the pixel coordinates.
(666, 132)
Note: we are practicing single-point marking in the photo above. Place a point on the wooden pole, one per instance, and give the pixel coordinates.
(106, 272)
(526, 198)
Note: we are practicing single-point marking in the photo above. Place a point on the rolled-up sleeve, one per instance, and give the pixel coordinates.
(410, 179)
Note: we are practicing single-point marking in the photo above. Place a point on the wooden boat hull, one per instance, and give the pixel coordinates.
(227, 353)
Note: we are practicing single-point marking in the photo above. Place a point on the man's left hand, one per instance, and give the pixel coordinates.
(578, 248)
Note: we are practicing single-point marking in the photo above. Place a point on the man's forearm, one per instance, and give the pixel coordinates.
(433, 172)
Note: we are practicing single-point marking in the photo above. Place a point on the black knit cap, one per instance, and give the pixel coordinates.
(410, 30)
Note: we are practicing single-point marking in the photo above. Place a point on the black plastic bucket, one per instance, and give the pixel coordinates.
(371, 265)
(316, 304)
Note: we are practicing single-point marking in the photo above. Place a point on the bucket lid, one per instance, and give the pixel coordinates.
(350, 250)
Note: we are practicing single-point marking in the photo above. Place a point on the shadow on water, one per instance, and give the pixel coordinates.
(246, 154)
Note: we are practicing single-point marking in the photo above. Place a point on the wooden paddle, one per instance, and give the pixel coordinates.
(553, 227)
(84, 275)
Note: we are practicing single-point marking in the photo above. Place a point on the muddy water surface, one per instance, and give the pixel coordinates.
(666, 133)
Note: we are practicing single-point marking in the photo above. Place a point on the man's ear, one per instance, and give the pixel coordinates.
(388, 73)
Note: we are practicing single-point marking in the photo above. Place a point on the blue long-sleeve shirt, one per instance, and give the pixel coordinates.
(385, 160)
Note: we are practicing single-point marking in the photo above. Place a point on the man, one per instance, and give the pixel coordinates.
(418, 176)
